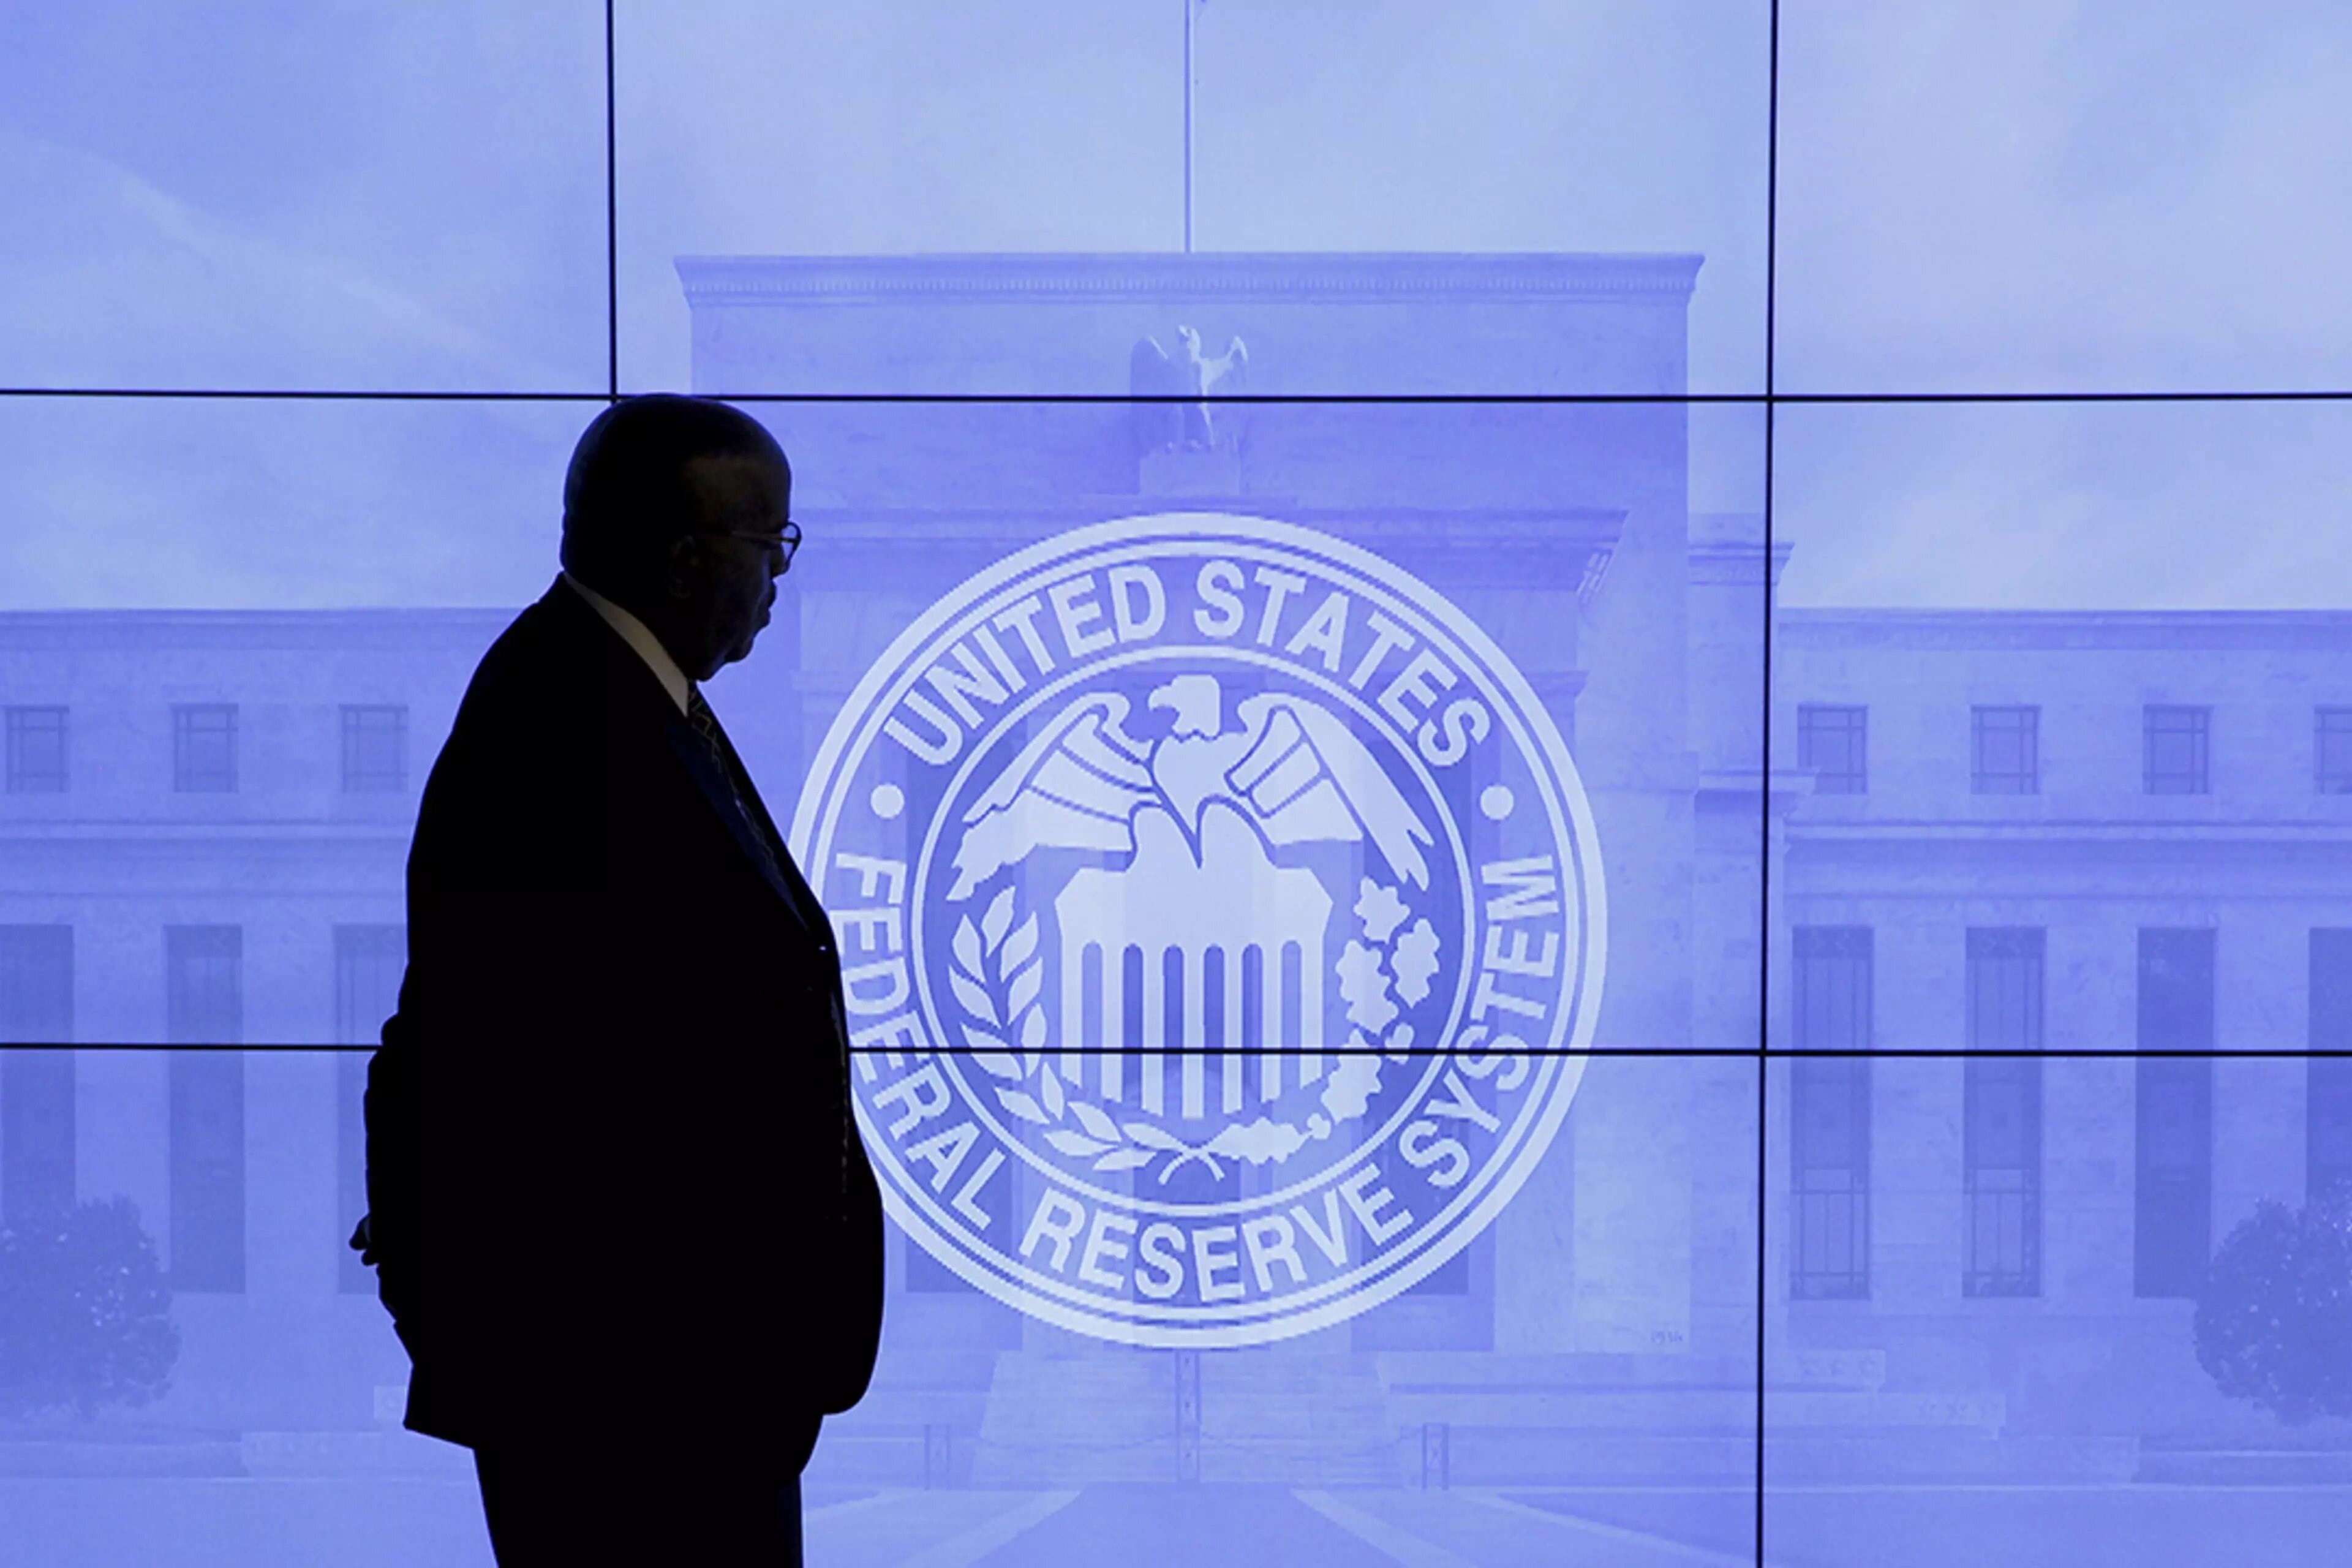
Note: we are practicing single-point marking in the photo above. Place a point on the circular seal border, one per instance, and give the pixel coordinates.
(1515, 1157)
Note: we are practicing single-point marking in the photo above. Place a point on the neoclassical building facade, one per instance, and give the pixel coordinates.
(2047, 840)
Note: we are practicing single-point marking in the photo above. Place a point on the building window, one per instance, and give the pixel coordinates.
(1831, 991)
(2173, 750)
(375, 750)
(37, 1087)
(2327, 1100)
(2332, 751)
(37, 751)
(204, 748)
(2005, 751)
(204, 1006)
(369, 960)
(2173, 1203)
(1830, 1114)
(1829, 1134)
(2000, 1114)
(1834, 745)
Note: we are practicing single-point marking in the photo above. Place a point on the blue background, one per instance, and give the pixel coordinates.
(2013, 347)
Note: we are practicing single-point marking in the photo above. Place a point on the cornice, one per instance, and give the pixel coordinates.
(1556, 547)
(1322, 277)
(1456, 529)
(1465, 531)
(2130, 630)
(294, 631)
(1717, 562)
(1977, 836)
(1746, 787)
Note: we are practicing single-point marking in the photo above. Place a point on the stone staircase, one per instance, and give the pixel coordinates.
(1477, 1419)
(1086, 1413)
(1072, 1418)
(1833, 1419)
(2312, 1457)
(1300, 1419)
(1272, 1415)
(918, 1425)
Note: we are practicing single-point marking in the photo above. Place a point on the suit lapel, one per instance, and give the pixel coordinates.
(804, 898)
(630, 673)
(717, 794)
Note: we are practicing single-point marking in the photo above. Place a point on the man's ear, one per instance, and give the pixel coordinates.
(684, 569)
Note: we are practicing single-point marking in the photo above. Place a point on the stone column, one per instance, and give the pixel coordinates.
(2087, 1179)
(1741, 805)
(1777, 1214)
(1535, 1259)
(1915, 1208)
(122, 1099)
(1603, 1227)
(290, 1219)
(2261, 1002)
(1916, 1253)
(2088, 1141)
(1722, 1154)
(2258, 1135)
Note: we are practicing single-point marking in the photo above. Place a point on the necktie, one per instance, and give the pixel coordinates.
(705, 724)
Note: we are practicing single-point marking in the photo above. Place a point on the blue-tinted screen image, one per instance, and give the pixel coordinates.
(1584, 771)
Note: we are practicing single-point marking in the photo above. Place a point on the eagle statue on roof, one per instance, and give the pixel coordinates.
(1187, 374)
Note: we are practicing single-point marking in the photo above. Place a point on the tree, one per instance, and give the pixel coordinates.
(85, 1316)
(2274, 1319)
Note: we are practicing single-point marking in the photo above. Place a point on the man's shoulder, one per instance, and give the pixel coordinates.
(550, 658)
(557, 688)
(531, 695)
(538, 640)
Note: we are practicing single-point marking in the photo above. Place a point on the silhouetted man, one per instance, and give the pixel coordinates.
(621, 1215)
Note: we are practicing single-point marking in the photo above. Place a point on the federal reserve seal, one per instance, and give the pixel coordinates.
(1221, 922)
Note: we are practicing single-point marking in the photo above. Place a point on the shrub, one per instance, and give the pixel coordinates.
(2274, 1319)
(85, 1316)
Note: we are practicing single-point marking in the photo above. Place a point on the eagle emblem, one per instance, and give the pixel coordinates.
(1231, 985)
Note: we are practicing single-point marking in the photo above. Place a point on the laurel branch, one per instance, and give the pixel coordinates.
(997, 974)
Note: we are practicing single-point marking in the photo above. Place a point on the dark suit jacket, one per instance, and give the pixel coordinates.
(612, 1181)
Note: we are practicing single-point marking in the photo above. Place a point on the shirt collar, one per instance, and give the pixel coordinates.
(648, 646)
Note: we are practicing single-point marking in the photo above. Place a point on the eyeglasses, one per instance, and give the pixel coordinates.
(787, 543)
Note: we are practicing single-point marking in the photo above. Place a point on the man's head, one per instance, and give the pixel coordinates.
(677, 509)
